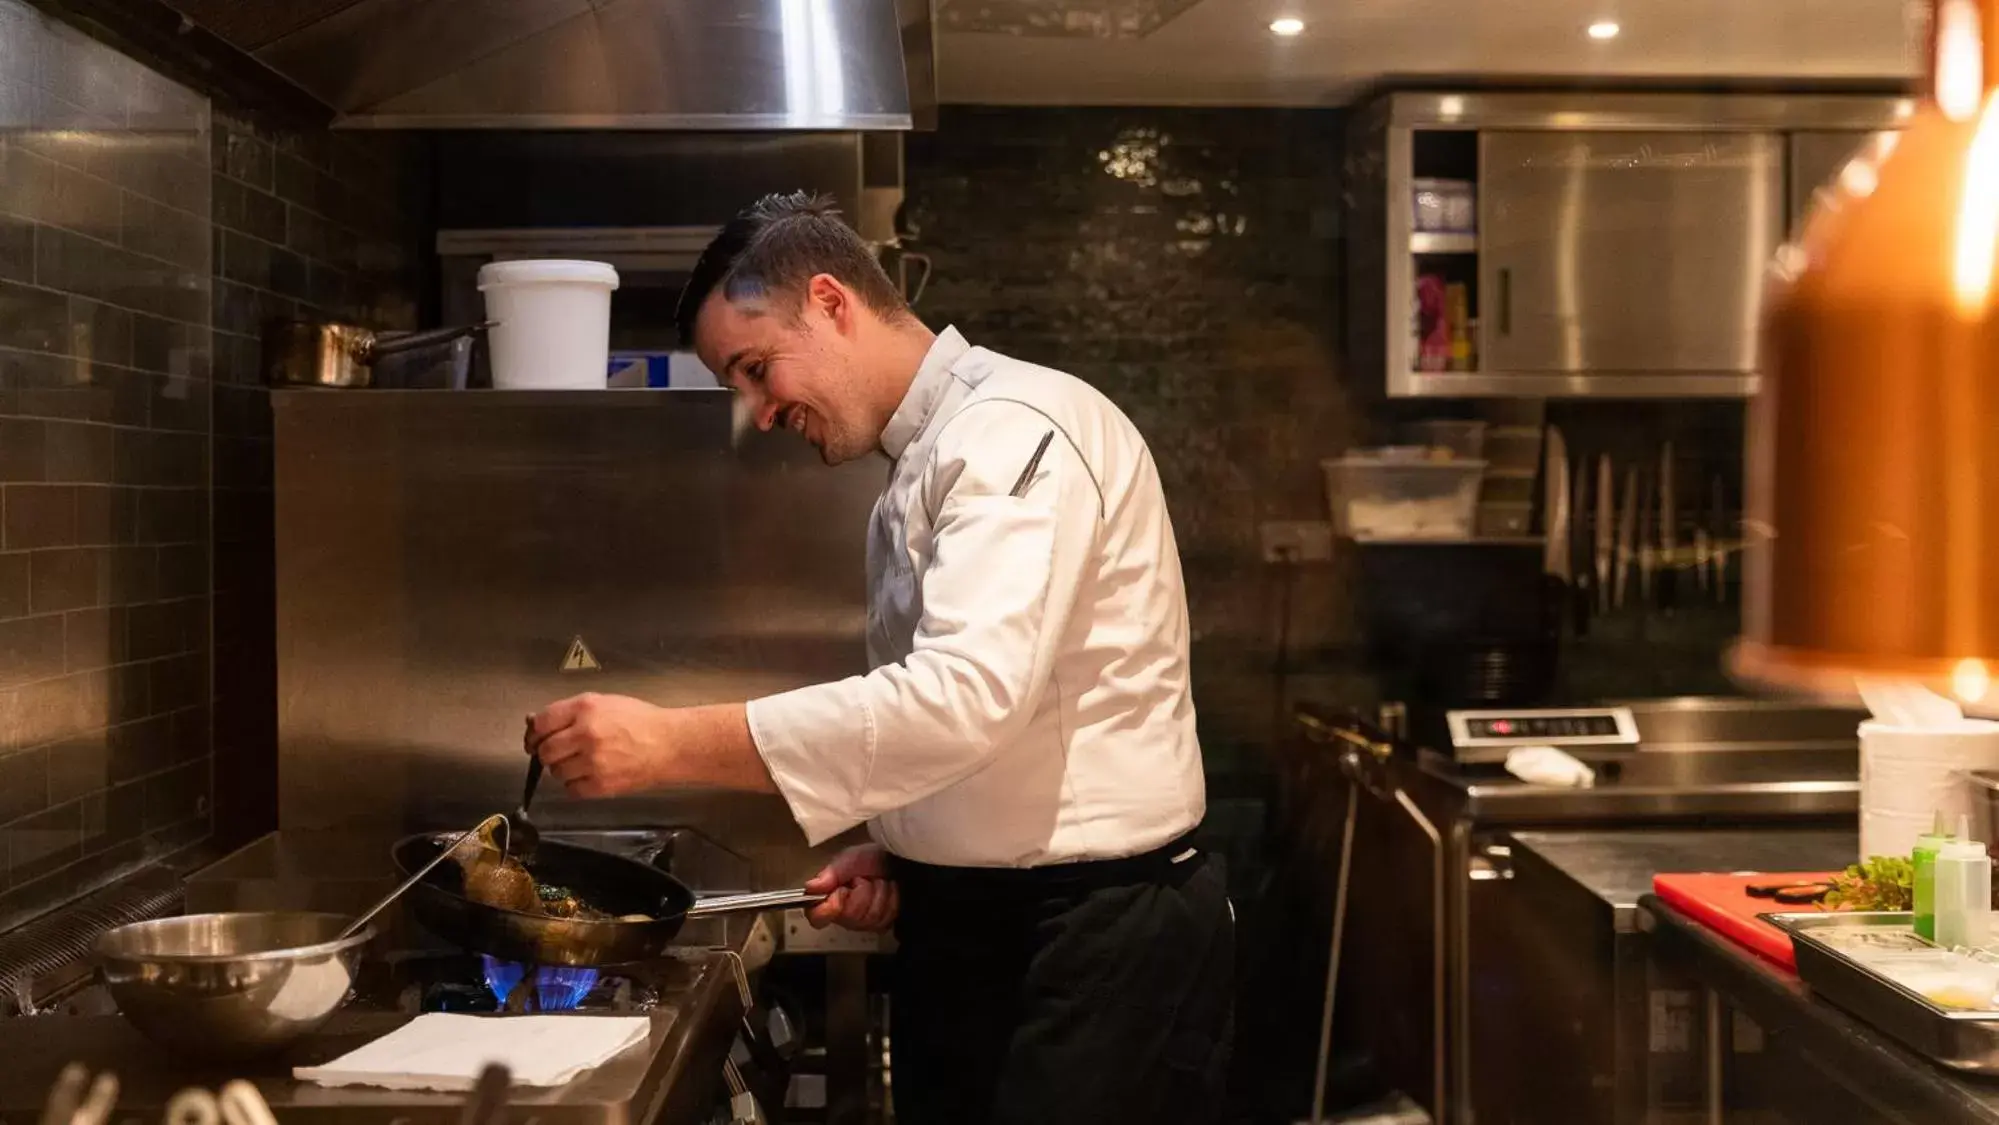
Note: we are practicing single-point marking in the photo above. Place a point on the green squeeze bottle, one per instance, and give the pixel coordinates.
(1924, 860)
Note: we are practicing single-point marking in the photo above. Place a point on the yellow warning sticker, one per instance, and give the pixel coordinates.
(579, 658)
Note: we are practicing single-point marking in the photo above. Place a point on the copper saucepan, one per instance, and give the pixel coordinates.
(315, 353)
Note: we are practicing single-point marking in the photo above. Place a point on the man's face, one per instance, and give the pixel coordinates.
(793, 363)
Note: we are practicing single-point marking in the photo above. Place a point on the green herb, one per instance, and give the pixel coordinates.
(1883, 882)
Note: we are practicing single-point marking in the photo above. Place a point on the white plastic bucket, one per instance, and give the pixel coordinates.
(554, 323)
(1907, 776)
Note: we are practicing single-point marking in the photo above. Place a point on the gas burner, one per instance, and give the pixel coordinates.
(466, 982)
(537, 988)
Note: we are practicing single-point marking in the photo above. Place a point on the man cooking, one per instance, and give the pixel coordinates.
(1023, 751)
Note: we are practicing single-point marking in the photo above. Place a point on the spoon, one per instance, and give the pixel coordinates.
(522, 836)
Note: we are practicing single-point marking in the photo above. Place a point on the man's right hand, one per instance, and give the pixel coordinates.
(860, 895)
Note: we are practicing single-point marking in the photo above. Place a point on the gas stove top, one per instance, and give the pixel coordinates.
(467, 982)
(693, 998)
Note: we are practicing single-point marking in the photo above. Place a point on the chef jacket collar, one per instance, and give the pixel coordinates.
(926, 391)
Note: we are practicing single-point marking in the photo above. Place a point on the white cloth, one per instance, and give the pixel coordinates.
(1029, 700)
(446, 1051)
(1545, 765)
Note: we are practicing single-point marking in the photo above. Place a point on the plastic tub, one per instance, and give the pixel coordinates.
(1377, 498)
(553, 323)
(1449, 437)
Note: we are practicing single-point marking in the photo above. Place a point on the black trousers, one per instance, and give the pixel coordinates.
(1095, 992)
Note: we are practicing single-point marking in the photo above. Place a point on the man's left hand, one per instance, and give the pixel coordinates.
(604, 745)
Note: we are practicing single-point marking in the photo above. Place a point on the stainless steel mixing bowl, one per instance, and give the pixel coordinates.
(228, 987)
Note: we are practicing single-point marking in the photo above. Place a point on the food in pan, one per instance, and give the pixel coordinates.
(496, 879)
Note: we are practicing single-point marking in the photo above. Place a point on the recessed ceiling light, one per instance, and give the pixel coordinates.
(1604, 29)
(1287, 26)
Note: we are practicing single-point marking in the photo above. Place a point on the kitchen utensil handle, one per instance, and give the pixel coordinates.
(753, 903)
(66, 1094)
(534, 780)
(242, 1104)
(193, 1106)
(98, 1104)
(914, 293)
(424, 339)
(487, 1102)
(354, 927)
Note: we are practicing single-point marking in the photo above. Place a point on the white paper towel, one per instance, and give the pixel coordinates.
(1545, 765)
(1908, 775)
(446, 1051)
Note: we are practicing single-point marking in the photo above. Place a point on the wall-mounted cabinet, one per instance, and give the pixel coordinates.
(1525, 245)
(1816, 157)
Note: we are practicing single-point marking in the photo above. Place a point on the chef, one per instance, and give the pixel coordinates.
(1022, 753)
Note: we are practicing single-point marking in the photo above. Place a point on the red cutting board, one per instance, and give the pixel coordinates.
(1722, 903)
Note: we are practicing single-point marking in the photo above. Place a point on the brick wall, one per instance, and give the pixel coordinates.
(104, 461)
(1188, 263)
(306, 223)
(144, 236)
(1185, 262)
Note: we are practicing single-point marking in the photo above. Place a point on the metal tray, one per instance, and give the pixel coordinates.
(1958, 1038)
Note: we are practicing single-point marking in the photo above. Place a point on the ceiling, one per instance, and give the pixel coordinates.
(1221, 52)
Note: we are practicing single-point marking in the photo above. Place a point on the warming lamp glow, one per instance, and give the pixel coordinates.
(1872, 529)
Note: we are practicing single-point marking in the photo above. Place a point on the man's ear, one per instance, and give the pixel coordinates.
(825, 295)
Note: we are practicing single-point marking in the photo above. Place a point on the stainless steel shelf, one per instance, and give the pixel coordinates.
(1542, 384)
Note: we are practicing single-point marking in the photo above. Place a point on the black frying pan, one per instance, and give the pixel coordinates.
(610, 883)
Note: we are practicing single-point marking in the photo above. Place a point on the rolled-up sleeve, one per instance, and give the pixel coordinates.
(997, 596)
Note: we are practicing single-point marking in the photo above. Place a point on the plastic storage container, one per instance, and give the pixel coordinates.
(1448, 437)
(1963, 892)
(1374, 497)
(553, 323)
(1923, 859)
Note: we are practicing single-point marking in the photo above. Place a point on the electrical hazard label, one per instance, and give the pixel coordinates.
(579, 658)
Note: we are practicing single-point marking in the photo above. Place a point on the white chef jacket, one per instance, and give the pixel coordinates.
(1029, 700)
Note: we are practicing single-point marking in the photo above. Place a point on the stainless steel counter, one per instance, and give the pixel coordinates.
(1522, 960)
(671, 1081)
(1661, 786)
(1617, 867)
(1774, 1053)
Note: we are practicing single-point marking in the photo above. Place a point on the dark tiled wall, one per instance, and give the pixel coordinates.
(1189, 263)
(104, 462)
(313, 224)
(1185, 262)
(144, 238)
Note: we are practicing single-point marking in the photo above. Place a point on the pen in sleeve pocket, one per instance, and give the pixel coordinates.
(1033, 463)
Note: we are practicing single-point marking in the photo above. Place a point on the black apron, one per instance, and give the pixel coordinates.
(1097, 992)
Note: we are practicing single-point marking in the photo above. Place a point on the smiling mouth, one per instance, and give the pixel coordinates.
(794, 420)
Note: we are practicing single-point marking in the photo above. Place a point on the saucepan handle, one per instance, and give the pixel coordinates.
(753, 903)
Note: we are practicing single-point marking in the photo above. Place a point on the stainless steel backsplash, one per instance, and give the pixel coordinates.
(437, 553)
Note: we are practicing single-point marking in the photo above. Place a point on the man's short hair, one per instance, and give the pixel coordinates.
(777, 245)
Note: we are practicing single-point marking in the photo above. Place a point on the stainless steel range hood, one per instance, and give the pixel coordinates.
(595, 64)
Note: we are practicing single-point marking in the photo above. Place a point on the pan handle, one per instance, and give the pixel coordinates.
(753, 903)
(376, 347)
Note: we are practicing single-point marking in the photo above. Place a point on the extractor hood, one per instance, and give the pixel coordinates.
(594, 64)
